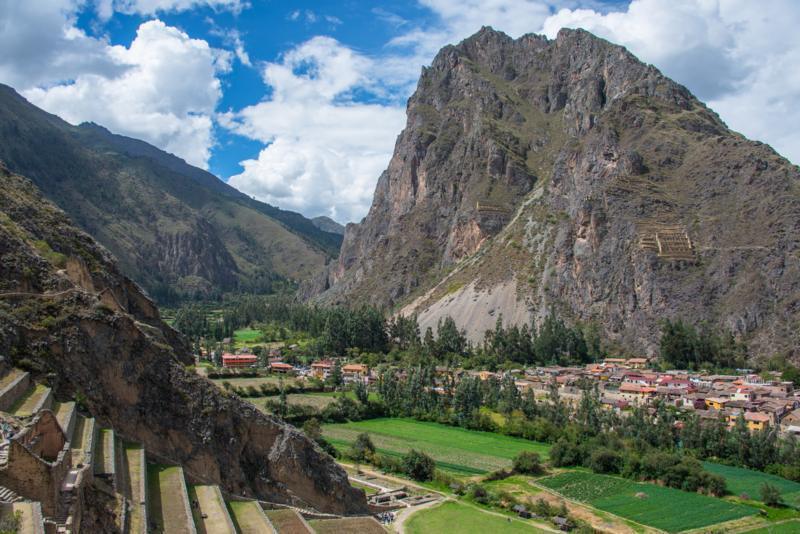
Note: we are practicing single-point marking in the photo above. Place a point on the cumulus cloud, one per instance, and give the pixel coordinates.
(325, 150)
(739, 56)
(165, 94)
(151, 7)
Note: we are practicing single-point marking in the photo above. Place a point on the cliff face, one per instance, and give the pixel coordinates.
(566, 173)
(175, 229)
(67, 313)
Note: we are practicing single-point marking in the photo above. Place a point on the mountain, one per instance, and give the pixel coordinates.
(174, 228)
(537, 175)
(70, 317)
(328, 225)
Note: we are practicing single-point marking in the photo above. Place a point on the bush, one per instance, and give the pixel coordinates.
(362, 449)
(388, 464)
(771, 495)
(605, 461)
(418, 465)
(479, 494)
(528, 463)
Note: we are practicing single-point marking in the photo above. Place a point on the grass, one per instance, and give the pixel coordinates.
(28, 401)
(165, 498)
(133, 459)
(212, 506)
(246, 336)
(248, 517)
(347, 525)
(745, 481)
(664, 508)
(457, 450)
(452, 516)
(256, 381)
(286, 521)
(787, 527)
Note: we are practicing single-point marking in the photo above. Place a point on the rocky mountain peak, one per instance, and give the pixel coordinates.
(544, 170)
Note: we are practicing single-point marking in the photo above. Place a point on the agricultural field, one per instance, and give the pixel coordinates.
(656, 506)
(247, 337)
(453, 516)
(745, 481)
(255, 381)
(787, 527)
(456, 450)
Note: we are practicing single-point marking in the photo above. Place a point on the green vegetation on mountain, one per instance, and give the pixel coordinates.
(177, 230)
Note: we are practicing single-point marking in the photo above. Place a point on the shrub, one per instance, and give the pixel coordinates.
(605, 461)
(418, 465)
(528, 463)
(480, 494)
(388, 463)
(770, 495)
(362, 448)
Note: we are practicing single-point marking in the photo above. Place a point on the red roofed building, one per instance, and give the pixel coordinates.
(280, 367)
(239, 360)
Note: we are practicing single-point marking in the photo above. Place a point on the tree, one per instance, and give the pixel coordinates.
(771, 495)
(312, 429)
(360, 391)
(528, 463)
(362, 448)
(605, 461)
(284, 404)
(418, 465)
(335, 378)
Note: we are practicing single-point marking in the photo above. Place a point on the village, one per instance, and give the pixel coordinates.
(764, 400)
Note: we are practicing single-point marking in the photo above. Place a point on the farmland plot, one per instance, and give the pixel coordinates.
(458, 450)
(664, 508)
(746, 481)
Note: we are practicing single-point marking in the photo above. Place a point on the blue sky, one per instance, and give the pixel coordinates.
(299, 103)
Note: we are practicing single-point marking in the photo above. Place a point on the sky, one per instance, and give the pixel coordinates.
(299, 104)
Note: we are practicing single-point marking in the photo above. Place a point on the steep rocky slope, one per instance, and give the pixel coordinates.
(67, 314)
(174, 228)
(565, 173)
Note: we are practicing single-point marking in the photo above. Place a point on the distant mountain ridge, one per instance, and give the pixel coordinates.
(567, 175)
(176, 229)
(328, 225)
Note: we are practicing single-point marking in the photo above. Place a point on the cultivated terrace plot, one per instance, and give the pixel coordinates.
(452, 516)
(791, 526)
(748, 482)
(458, 450)
(288, 522)
(347, 525)
(249, 518)
(663, 508)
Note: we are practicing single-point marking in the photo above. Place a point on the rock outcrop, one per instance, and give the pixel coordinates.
(70, 316)
(590, 183)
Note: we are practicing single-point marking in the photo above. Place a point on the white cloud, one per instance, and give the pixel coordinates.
(151, 7)
(325, 151)
(739, 56)
(166, 94)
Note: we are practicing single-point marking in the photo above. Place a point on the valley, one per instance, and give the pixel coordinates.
(571, 306)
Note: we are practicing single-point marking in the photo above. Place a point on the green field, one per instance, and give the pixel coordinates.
(656, 506)
(787, 527)
(457, 450)
(246, 336)
(456, 517)
(745, 481)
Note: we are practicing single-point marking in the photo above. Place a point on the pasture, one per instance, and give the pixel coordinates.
(787, 527)
(246, 337)
(748, 482)
(656, 506)
(453, 516)
(456, 450)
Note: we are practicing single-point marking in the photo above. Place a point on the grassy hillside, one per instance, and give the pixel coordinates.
(176, 229)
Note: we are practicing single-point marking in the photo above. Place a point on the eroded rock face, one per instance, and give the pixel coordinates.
(575, 171)
(67, 311)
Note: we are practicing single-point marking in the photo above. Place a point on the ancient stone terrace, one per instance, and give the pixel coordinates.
(51, 453)
(669, 242)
